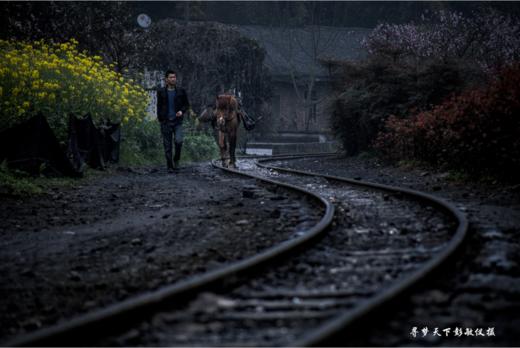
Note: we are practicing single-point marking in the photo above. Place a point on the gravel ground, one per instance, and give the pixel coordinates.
(74, 249)
(479, 290)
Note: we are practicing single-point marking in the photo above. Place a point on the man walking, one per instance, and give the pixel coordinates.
(172, 105)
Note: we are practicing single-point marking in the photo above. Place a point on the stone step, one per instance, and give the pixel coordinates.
(294, 137)
(270, 149)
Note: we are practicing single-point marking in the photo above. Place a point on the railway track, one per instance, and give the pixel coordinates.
(381, 241)
(332, 331)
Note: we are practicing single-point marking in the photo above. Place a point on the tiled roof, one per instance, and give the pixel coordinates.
(294, 47)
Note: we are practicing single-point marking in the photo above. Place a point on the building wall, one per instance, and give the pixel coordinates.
(151, 79)
(151, 110)
(289, 115)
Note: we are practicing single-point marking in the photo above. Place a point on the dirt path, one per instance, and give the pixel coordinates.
(75, 249)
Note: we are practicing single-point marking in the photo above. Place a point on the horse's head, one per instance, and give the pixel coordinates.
(226, 108)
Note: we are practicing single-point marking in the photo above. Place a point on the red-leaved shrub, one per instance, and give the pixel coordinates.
(478, 130)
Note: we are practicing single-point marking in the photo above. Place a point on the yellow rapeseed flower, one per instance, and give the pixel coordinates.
(39, 72)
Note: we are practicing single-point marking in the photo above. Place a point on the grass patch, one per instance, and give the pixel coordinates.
(413, 164)
(486, 179)
(369, 154)
(459, 176)
(17, 183)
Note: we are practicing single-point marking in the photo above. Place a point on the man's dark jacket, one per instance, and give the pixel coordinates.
(181, 103)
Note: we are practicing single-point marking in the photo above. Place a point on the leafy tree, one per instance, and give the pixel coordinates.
(489, 39)
(211, 58)
(107, 28)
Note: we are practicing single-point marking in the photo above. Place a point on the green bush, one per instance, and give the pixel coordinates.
(199, 145)
(142, 144)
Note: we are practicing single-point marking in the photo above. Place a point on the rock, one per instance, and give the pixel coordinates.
(114, 269)
(275, 214)
(75, 276)
(136, 241)
(31, 324)
(246, 193)
(89, 304)
(80, 267)
(100, 286)
(27, 272)
(492, 233)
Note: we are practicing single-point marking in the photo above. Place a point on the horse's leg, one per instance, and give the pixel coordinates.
(222, 147)
(227, 150)
(232, 147)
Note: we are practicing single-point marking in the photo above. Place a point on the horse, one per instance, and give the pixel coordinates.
(225, 118)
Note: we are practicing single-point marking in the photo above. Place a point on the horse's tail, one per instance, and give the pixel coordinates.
(206, 115)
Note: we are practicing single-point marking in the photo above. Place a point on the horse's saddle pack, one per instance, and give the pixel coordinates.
(249, 122)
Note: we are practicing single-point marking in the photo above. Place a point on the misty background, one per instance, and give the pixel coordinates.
(366, 14)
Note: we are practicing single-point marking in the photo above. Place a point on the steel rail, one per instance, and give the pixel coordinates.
(341, 321)
(120, 314)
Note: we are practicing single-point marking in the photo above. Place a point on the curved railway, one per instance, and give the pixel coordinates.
(380, 241)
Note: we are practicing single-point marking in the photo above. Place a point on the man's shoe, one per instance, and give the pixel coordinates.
(170, 170)
(176, 165)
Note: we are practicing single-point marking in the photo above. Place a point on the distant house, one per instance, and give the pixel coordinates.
(293, 60)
